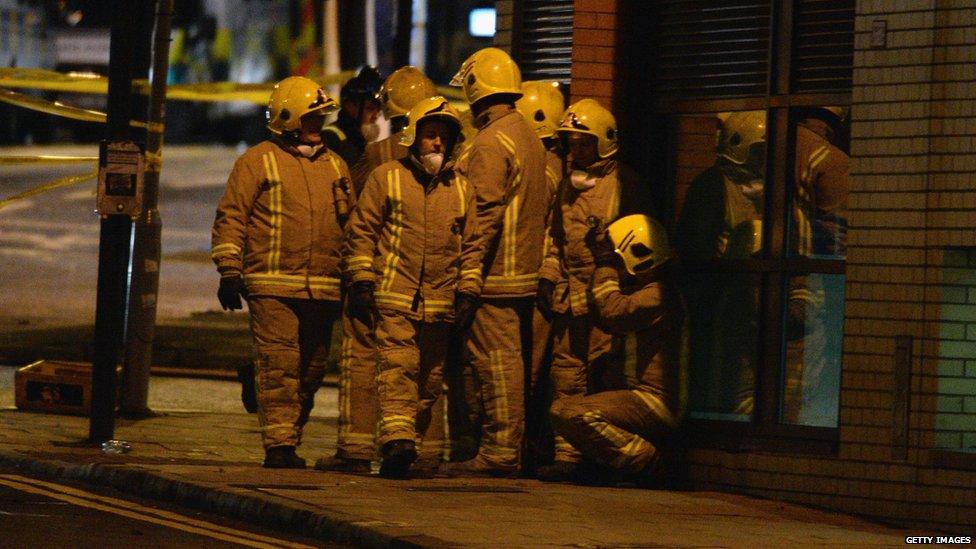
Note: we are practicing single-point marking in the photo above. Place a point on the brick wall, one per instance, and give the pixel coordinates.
(594, 51)
(912, 222)
(504, 23)
(955, 416)
(910, 272)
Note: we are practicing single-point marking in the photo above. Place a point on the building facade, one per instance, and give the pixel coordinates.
(844, 373)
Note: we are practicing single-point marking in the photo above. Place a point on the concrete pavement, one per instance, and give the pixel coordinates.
(211, 461)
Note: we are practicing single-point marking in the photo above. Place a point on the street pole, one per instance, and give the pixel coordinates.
(404, 26)
(116, 230)
(147, 245)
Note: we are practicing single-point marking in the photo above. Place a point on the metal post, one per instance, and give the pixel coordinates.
(144, 285)
(404, 26)
(113, 246)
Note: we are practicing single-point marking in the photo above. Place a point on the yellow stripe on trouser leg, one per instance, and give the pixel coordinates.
(495, 348)
(396, 379)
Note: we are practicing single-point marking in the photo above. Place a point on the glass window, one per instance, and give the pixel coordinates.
(814, 322)
(818, 216)
(721, 179)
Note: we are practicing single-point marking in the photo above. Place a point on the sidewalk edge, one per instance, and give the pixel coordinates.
(248, 508)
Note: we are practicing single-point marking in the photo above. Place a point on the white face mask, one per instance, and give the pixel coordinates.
(432, 162)
(582, 180)
(370, 131)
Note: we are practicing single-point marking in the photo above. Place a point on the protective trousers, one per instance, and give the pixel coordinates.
(615, 428)
(291, 341)
(500, 334)
(409, 380)
(464, 411)
(578, 347)
(358, 406)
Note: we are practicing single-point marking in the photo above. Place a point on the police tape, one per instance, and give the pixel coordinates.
(50, 186)
(45, 159)
(42, 79)
(57, 108)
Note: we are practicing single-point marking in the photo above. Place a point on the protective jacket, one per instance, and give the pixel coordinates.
(652, 308)
(822, 188)
(569, 260)
(416, 237)
(506, 164)
(280, 221)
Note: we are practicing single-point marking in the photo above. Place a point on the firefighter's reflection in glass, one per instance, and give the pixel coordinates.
(721, 219)
(818, 229)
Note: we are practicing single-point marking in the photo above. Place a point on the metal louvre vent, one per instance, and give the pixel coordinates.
(546, 40)
(713, 49)
(823, 45)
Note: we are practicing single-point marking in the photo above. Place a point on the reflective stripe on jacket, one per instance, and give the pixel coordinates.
(416, 238)
(277, 222)
(569, 261)
(506, 164)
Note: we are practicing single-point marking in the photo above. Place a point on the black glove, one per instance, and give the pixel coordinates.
(465, 305)
(230, 292)
(543, 297)
(601, 246)
(362, 304)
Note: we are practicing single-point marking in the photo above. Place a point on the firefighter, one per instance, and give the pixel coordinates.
(413, 263)
(358, 408)
(589, 200)
(721, 219)
(356, 125)
(506, 164)
(633, 290)
(819, 224)
(276, 241)
(820, 200)
(542, 105)
(399, 92)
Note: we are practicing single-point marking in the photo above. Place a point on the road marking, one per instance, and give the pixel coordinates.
(135, 511)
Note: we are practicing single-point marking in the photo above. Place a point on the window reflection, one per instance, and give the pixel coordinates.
(721, 219)
(818, 220)
(814, 319)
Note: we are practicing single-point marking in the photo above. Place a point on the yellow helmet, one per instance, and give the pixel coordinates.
(542, 106)
(739, 133)
(431, 107)
(640, 241)
(589, 117)
(488, 71)
(293, 98)
(403, 89)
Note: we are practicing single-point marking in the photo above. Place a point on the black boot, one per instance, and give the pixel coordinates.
(398, 455)
(282, 457)
(558, 471)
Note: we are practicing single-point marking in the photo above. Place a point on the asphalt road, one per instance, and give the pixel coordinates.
(49, 242)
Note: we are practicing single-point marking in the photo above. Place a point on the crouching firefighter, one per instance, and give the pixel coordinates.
(412, 263)
(277, 240)
(621, 428)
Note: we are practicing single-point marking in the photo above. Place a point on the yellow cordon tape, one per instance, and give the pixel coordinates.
(45, 159)
(50, 107)
(41, 79)
(56, 184)
(57, 108)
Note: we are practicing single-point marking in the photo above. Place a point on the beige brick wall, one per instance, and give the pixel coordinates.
(912, 229)
(912, 213)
